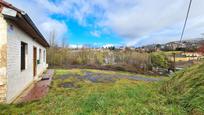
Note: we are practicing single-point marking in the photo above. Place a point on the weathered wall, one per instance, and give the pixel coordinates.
(18, 80)
(3, 59)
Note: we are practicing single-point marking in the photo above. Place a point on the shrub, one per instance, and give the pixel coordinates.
(159, 59)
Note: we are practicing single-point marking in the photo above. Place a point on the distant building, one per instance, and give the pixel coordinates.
(174, 45)
(188, 56)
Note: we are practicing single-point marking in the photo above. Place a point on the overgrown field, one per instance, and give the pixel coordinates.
(71, 94)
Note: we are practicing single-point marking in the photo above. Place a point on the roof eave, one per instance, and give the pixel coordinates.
(30, 22)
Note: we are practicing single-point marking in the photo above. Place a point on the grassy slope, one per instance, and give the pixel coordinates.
(186, 88)
(183, 93)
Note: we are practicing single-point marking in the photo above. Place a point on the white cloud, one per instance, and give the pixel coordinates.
(75, 46)
(137, 21)
(108, 45)
(52, 25)
(95, 33)
(41, 18)
(146, 21)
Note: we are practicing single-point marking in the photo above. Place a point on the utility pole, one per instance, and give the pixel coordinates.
(174, 63)
(187, 15)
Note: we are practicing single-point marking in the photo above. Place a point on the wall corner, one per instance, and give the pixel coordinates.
(3, 59)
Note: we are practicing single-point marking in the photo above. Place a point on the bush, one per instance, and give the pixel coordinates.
(159, 59)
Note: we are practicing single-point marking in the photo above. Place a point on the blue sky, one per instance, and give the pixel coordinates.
(88, 35)
(114, 22)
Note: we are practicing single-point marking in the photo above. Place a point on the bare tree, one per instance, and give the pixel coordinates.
(64, 42)
(52, 38)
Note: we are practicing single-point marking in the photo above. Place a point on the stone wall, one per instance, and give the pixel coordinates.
(3, 59)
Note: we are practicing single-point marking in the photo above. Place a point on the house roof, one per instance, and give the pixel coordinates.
(23, 21)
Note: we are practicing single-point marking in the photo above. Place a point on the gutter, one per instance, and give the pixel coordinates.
(30, 22)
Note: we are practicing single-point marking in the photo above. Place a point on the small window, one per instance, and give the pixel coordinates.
(40, 56)
(24, 53)
(44, 56)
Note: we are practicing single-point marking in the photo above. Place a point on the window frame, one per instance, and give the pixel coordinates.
(44, 56)
(40, 55)
(23, 56)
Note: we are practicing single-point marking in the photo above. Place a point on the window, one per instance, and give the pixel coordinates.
(44, 56)
(40, 55)
(24, 53)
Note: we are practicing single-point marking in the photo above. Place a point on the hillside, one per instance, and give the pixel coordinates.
(186, 88)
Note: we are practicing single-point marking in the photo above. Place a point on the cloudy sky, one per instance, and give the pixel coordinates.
(118, 22)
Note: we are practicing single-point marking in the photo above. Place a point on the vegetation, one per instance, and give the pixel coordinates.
(64, 57)
(182, 94)
(186, 88)
(127, 60)
(121, 97)
(159, 59)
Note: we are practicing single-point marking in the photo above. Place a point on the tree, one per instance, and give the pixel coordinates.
(52, 39)
(201, 49)
(111, 48)
(158, 46)
(159, 59)
(64, 42)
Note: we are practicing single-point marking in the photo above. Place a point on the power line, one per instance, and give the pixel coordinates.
(184, 26)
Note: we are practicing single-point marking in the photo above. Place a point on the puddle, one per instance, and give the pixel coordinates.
(63, 77)
(100, 78)
(67, 76)
(68, 85)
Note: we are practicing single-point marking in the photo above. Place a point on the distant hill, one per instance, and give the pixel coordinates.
(195, 40)
(188, 45)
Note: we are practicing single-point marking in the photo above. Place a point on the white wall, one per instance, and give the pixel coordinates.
(18, 80)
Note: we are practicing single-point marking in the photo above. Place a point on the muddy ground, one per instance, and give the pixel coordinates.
(100, 78)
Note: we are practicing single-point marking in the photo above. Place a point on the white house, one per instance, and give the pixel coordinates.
(22, 52)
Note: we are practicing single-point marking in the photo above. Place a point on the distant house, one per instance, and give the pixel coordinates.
(150, 48)
(187, 56)
(174, 45)
(22, 52)
(193, 55)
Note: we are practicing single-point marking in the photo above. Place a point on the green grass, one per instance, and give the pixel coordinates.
(82, 72)
(172, 52)
(181, 95)
(186, 88)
